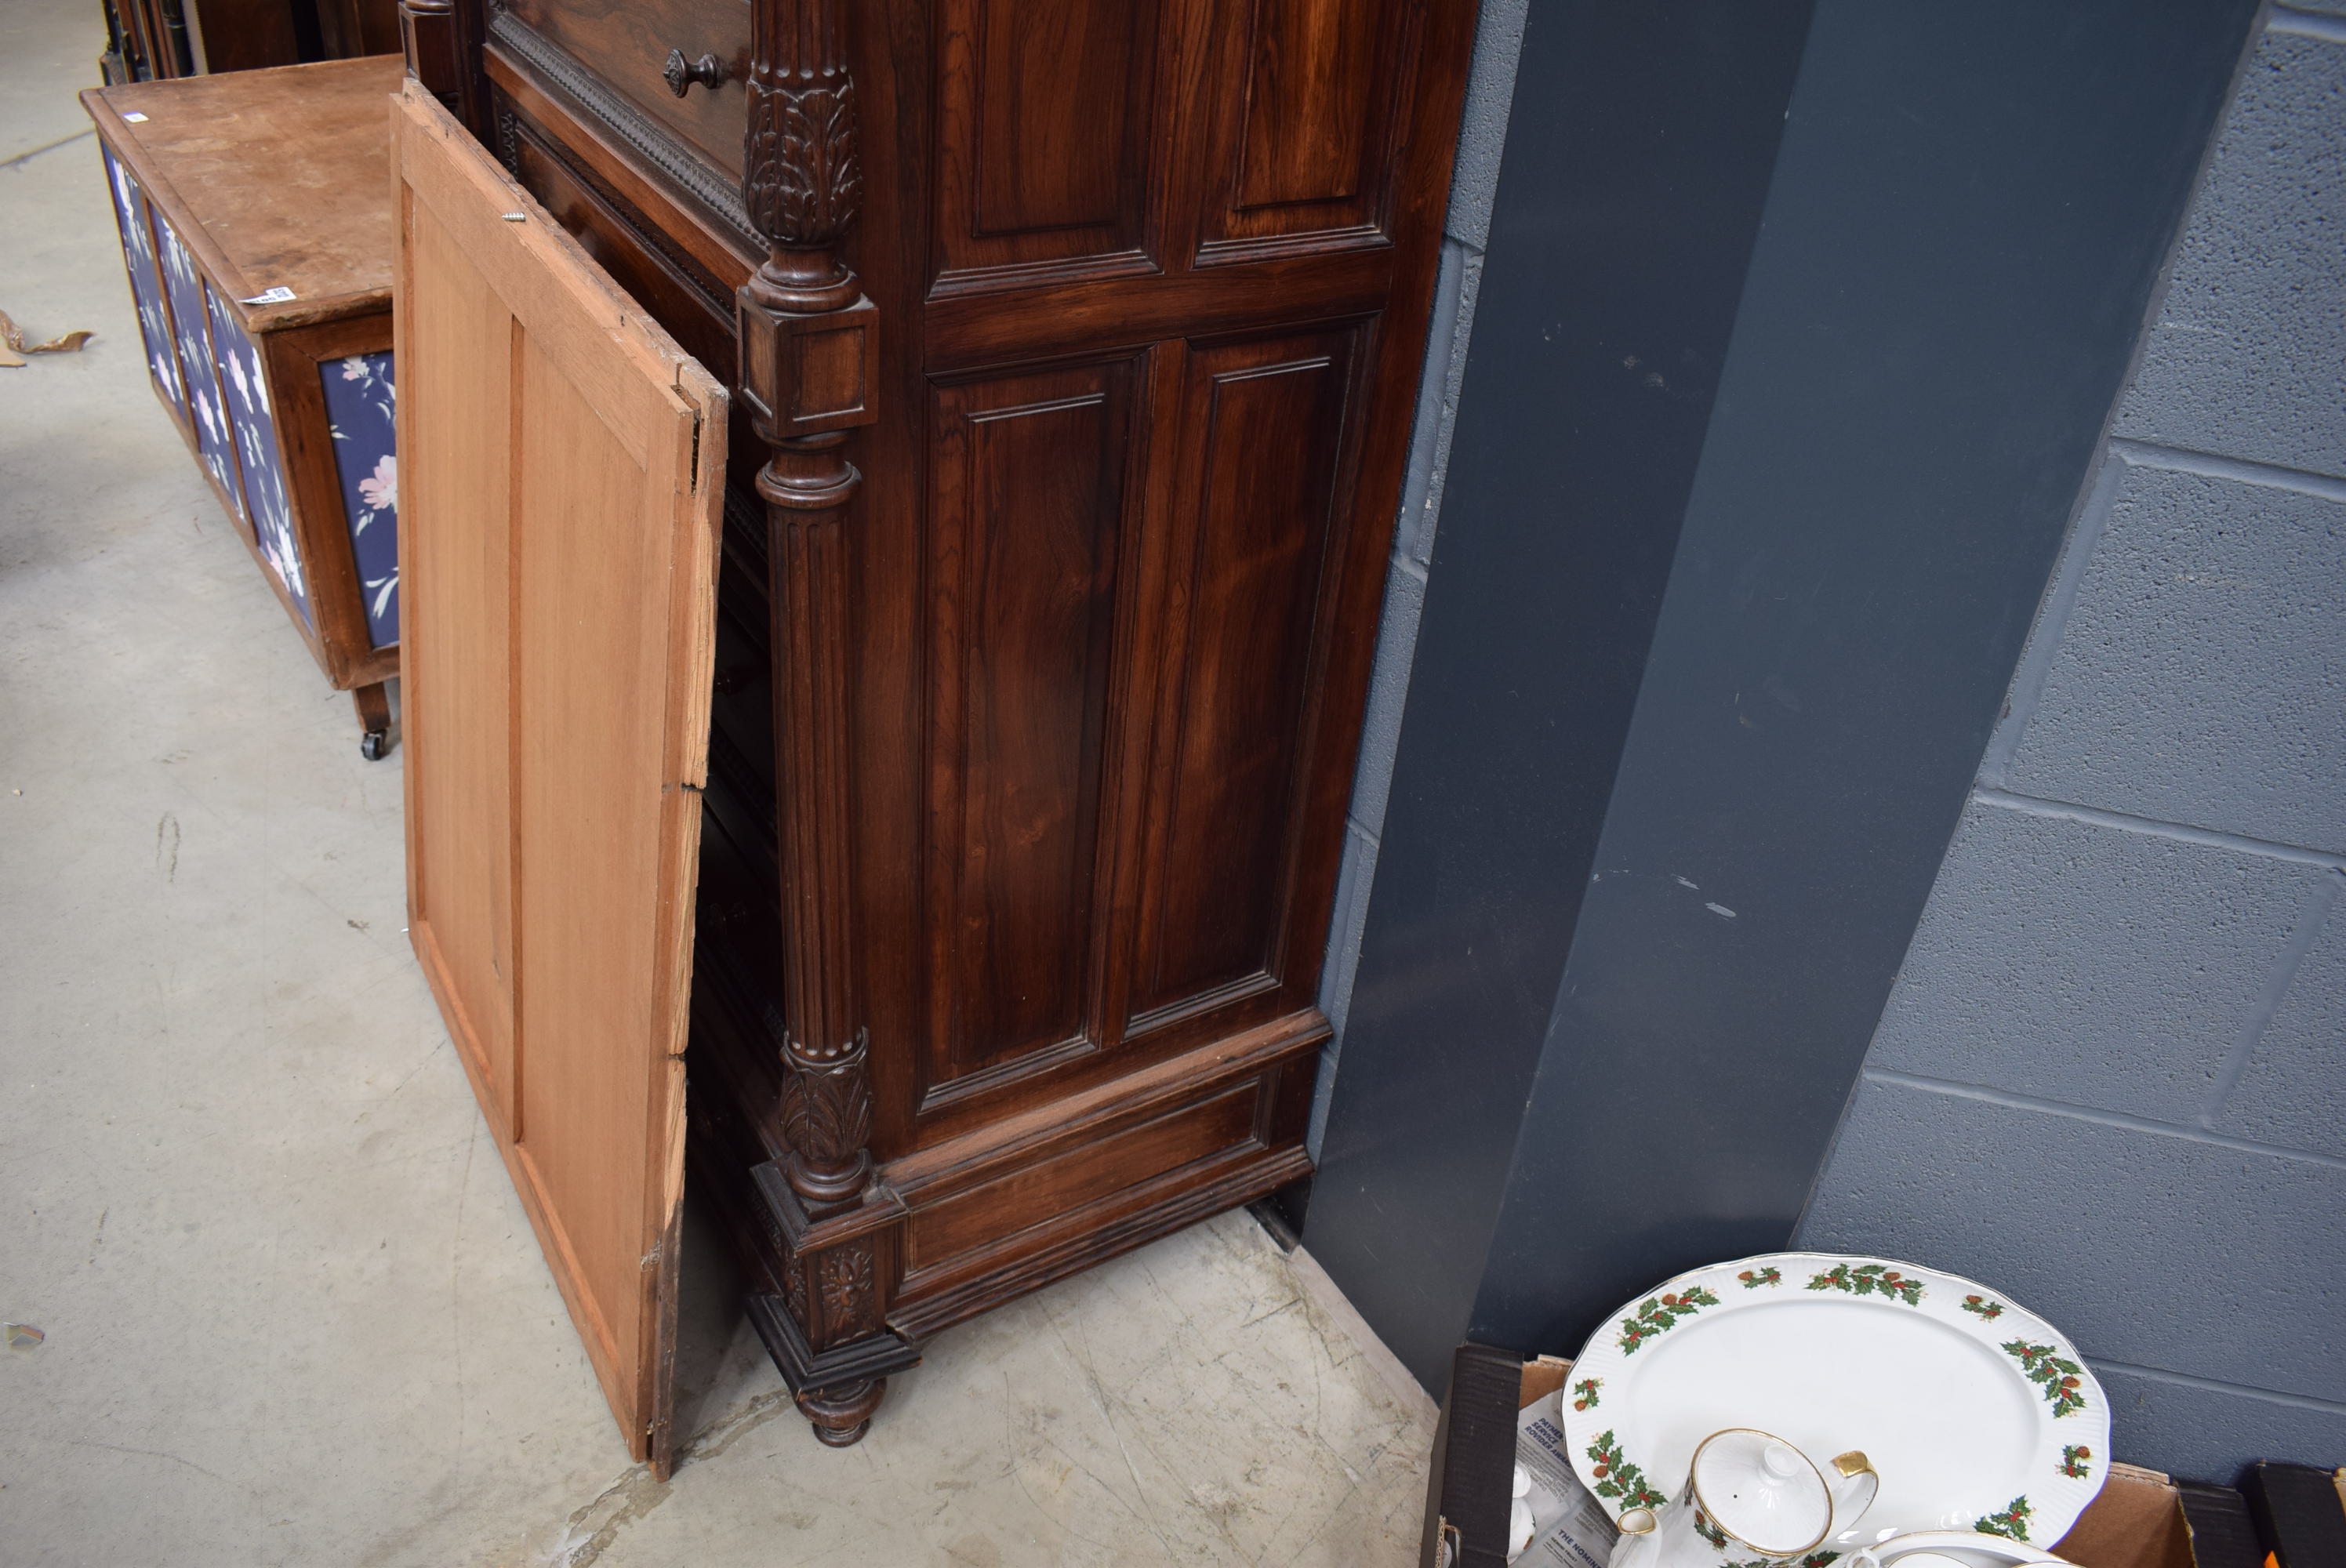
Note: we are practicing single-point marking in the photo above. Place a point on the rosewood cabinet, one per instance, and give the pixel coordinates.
(980, 673)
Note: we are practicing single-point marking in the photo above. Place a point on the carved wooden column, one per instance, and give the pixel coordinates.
(809, 360)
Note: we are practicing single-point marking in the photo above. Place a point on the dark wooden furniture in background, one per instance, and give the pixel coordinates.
(226, 189)
(156, 40)
(1075, 345)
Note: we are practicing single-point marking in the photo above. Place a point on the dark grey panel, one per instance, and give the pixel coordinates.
(2250, 355)
(1637, 159)
(2155, 1250)
(1971, 209)
(2201, 673)
(2091, 964)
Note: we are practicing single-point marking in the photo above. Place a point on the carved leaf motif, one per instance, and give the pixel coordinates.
(827, 1110)
(804, 179)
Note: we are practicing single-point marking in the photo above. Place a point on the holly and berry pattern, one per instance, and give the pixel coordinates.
(2073, 1457)
(1987, 1311)
(1617, 1477)
(1656, 1313)
(1868, 1278)
(2011, 1523)
(2061, 1378)
(1709, 1529)
(1755, 1277)
(1583, 1393)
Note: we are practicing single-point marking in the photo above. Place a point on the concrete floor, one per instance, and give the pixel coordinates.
(292, 1311)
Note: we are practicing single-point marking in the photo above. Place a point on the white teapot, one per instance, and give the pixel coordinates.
(1750, 1494)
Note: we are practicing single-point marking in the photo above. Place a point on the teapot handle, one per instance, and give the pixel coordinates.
(1854, 1485)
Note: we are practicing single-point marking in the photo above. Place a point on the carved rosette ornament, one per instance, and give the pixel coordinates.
(801, 185)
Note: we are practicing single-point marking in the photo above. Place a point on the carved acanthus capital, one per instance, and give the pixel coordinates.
(827, 1120)
(803, 179)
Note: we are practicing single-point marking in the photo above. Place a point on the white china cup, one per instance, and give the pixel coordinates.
(1748, 1494)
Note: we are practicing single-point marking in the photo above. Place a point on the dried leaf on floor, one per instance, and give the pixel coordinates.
(14, 348)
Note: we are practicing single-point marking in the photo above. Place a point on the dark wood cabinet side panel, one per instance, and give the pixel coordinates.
(1266, 427)
(1030, 493)
(1044, 141)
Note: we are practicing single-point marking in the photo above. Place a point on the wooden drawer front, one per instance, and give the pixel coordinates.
(626, 42)
(1089, 1177)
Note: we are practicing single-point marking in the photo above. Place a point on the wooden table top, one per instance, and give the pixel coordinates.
(274, 179)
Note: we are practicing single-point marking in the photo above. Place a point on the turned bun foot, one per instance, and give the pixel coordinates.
(841, 1415)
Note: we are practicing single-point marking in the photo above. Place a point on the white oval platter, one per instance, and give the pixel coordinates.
(1975, 1412)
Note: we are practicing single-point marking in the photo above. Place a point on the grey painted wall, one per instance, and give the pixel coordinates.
(1474, 178)
(2111, 1078)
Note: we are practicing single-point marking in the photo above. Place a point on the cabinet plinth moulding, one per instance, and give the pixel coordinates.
(808, 342)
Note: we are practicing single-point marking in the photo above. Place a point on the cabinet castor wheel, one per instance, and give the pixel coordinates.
(370, 745)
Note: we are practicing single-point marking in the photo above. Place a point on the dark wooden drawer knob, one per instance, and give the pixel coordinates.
(707, 70)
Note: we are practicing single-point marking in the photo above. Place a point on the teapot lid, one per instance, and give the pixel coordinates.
(1762, 1490)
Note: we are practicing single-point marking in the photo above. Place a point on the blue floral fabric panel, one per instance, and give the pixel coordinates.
(186, 289)
(255, 425)
(145, 284)
(359, 403)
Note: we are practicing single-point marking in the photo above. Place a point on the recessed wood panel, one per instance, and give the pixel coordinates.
(1025, 545)
(1262, 432)
(458, 575)
(1048, 1188)
(1308, 119)
(1307, 149)
(1044, 136)
(588, 680)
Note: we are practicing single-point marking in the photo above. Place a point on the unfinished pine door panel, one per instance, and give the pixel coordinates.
(1168, 271)
(563, 460)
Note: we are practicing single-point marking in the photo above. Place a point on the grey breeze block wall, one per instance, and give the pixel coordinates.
(1474, 177)
(2111, 1078)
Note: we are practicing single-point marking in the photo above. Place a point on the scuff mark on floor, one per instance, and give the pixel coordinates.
(725, 1430)
(591, 1529)
(166, 845)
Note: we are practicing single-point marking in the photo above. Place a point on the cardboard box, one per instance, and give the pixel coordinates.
(2142, 1518)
